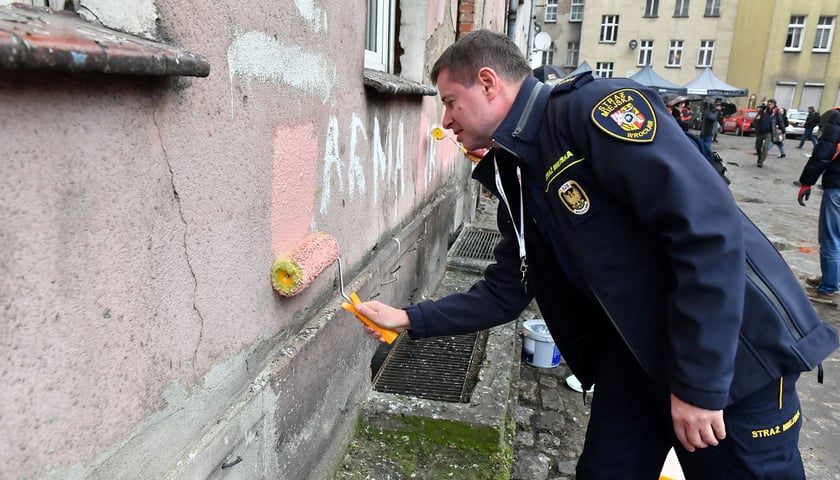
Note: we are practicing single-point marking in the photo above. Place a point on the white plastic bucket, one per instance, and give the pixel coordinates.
(538, 348)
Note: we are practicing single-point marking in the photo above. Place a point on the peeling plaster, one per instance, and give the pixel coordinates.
(259, 56)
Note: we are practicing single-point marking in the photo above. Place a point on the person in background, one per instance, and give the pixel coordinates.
(765, 123)
(710, 123)
(823, 161)
(779, 134)
(811, 121)
(686, 117)
(660, 299)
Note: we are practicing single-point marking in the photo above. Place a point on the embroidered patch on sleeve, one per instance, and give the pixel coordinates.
(626, 114)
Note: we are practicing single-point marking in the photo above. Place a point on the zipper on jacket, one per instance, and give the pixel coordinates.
(774, 299)
(523, 119)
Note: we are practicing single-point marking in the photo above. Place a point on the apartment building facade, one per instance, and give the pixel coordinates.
(773, 48)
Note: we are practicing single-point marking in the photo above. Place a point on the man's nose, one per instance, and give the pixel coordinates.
(447, 120)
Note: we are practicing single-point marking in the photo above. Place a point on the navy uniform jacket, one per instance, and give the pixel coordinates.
(822, 161)
(628, 229)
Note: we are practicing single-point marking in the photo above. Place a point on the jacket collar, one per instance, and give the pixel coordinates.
(519, 129)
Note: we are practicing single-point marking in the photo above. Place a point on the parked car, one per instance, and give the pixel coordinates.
(796, 124)
(739, 122)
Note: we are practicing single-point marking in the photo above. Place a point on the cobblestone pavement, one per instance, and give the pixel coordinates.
(551, 418)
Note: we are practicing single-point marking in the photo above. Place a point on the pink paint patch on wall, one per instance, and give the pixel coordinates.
(294, 184)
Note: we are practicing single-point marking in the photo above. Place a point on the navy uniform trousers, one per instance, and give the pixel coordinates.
(630, 430)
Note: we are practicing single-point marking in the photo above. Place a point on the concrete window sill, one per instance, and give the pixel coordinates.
(391, 84)
(33, 38)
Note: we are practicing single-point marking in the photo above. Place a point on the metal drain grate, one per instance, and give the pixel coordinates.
(473, 250)
(438, 368)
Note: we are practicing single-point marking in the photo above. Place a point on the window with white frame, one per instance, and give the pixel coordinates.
(549, 55)
(712, 8)
(651, 8)
(576, 11)
(796, 28)
(706, 53)
(604, 69)
(645, 53)
(609, 29)
(825, 33)
(681, 8)
(379, 37)
(550, 10)
(572, 54)
(675, 50)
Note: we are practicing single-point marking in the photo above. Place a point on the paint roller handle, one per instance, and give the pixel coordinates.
(388, 336)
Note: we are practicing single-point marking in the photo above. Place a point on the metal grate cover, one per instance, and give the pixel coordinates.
(438, 368)
(473, 250)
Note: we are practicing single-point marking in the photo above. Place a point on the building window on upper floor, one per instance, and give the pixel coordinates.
(675, 51)
(681, 8)
(651, 8)
(794, 36)
(825, 33)
(645, 53)
(551, 10)
(706, 54)
(604, 69)
(379, 36)
(572, 54)
(609, 29)
(549, 54)
(576, 11)
(712, 8)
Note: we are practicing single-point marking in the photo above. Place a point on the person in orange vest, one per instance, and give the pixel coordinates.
(686, 117)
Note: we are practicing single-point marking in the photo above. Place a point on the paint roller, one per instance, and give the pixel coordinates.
(474, 156)
(297, 268)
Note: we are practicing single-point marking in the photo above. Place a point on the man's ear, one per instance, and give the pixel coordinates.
(488, 81)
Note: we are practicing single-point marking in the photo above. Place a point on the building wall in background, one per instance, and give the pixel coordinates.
(761, 62)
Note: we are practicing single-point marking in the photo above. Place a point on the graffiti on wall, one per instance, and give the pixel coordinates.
(387, 160)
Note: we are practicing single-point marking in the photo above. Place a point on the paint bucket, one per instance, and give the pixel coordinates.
(538, 348)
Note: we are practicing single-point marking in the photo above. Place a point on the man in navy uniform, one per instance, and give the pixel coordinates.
(653, 283)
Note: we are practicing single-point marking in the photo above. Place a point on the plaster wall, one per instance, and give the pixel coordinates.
(633, 25)
(139, 219)
(760, 61)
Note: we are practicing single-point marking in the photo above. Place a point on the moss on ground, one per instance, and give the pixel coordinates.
(427, 449)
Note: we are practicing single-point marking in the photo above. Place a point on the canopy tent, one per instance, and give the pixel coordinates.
(647, 77)
(708, 84)
(549, 73)
(583, 67)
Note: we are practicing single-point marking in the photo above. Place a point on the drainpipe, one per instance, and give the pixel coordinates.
(511, 28)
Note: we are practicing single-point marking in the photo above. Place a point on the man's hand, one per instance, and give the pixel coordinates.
(804, 194)
(696, 427)
(385, 316)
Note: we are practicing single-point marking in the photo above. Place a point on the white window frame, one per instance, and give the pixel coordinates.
(572, 54)
(796, 33)
(825, 34)
(651, 8)
(645, 56)
(605, 69)
(712, 8)
(675, 52)
(576, 11)
(551, 11)
(609, 29)
(706, 53)
(549, 54)
(681, 8)
(379, 35)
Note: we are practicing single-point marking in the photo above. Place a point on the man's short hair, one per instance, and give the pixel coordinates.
(482, 48)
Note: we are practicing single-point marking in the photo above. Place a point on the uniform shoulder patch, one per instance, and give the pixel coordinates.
(626, 114)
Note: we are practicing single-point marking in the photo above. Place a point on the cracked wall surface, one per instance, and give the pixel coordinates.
(139, 218)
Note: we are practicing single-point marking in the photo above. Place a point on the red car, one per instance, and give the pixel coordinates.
(739, 122)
